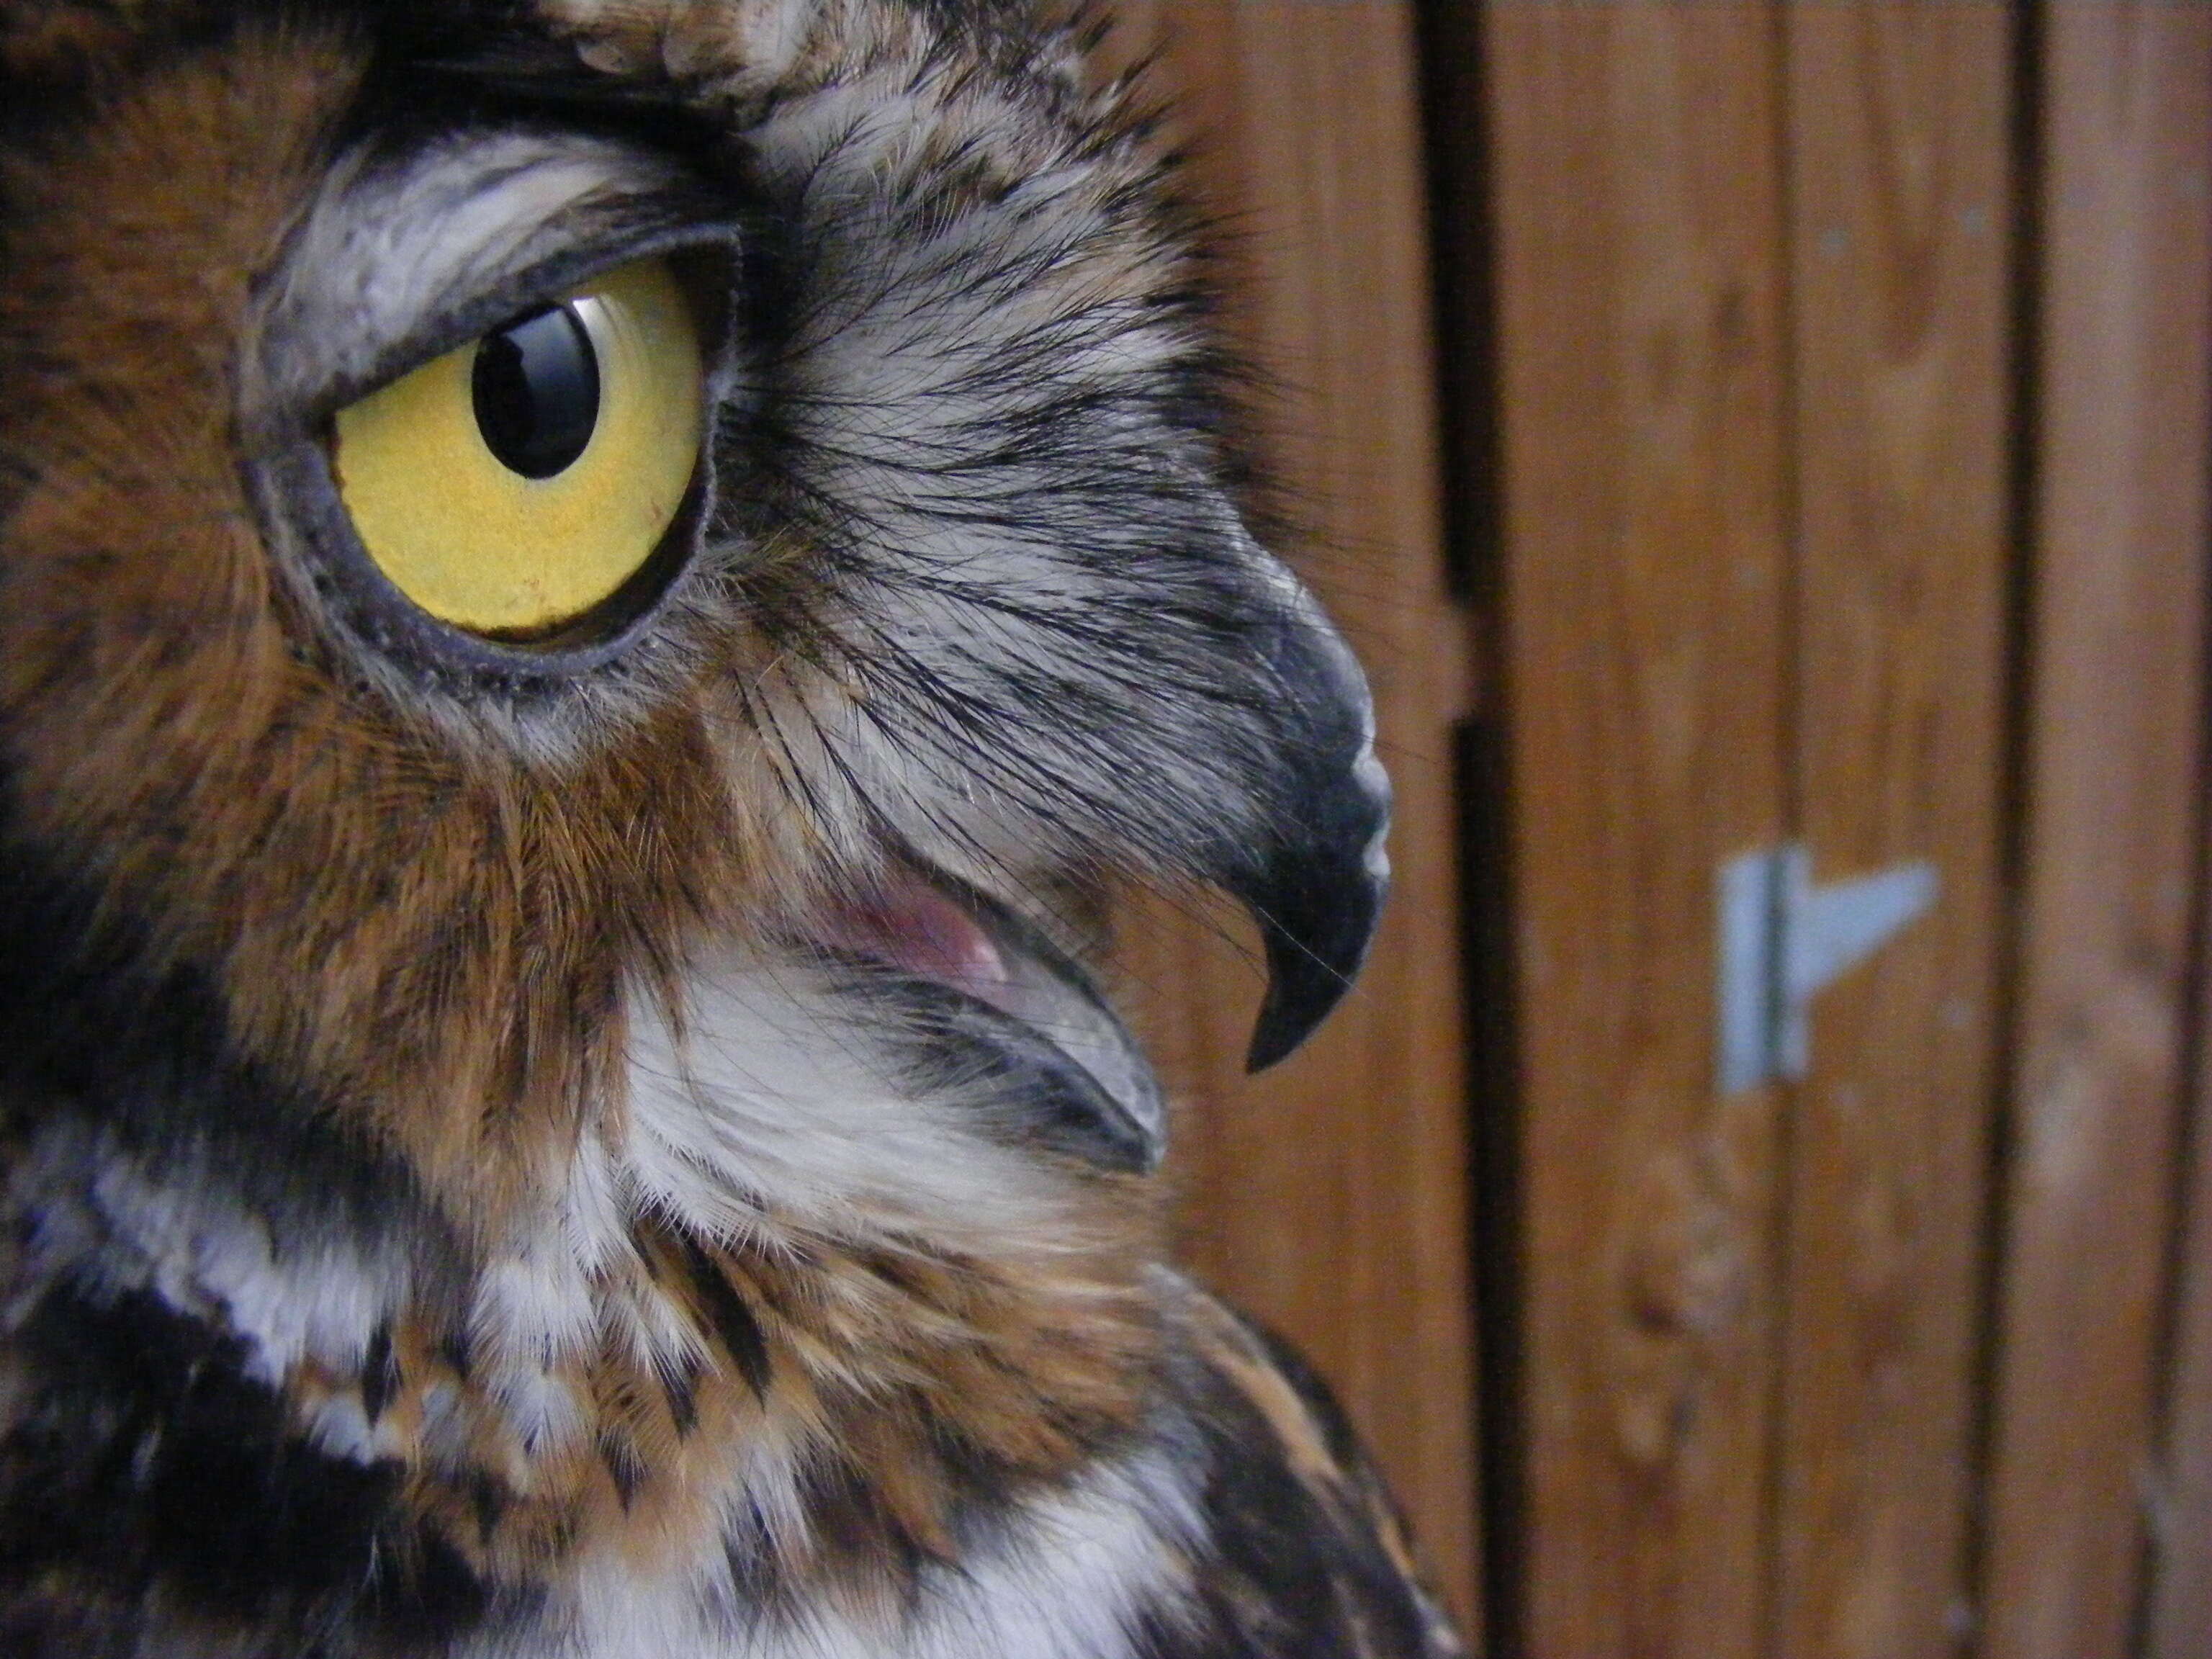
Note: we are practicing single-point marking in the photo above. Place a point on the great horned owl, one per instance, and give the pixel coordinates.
(592, 593)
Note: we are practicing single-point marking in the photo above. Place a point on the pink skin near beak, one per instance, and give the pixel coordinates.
(911, 925)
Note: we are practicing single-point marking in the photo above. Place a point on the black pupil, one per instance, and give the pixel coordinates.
(537, 389)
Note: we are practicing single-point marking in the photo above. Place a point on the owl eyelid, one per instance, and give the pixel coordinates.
(704, 257)
(404, 252)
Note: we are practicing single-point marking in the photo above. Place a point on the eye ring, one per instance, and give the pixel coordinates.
(292, 476)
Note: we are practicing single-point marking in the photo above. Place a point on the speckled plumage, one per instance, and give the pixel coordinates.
(482, 1175)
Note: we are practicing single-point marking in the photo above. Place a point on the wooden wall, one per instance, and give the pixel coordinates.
(1723, 423)
(2086, 1521)
(1849, 380)
(1638, 340)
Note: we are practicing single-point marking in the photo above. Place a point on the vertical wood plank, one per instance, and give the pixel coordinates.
(1900, 192)
(2113, 810)
(1328, 1196)
(2180, 1600)
(1640, 339)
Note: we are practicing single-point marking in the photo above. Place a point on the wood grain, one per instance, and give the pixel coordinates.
(2180, 1590)
(1899, 129)
(1328, 1196)
(1640, 340)
(2112, 821)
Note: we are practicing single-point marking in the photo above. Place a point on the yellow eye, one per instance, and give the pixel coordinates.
(512, 486)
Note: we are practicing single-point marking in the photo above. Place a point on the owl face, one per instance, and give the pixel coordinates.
(591, 596)
(492, 516)
(488, 510)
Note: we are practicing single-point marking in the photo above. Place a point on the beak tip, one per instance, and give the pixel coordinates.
(1311, 969)
(1279, 1033)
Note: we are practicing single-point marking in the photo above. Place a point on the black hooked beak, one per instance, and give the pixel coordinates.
(1318, 883)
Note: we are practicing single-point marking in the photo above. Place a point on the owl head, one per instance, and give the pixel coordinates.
(593, 595)
(496, 501)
